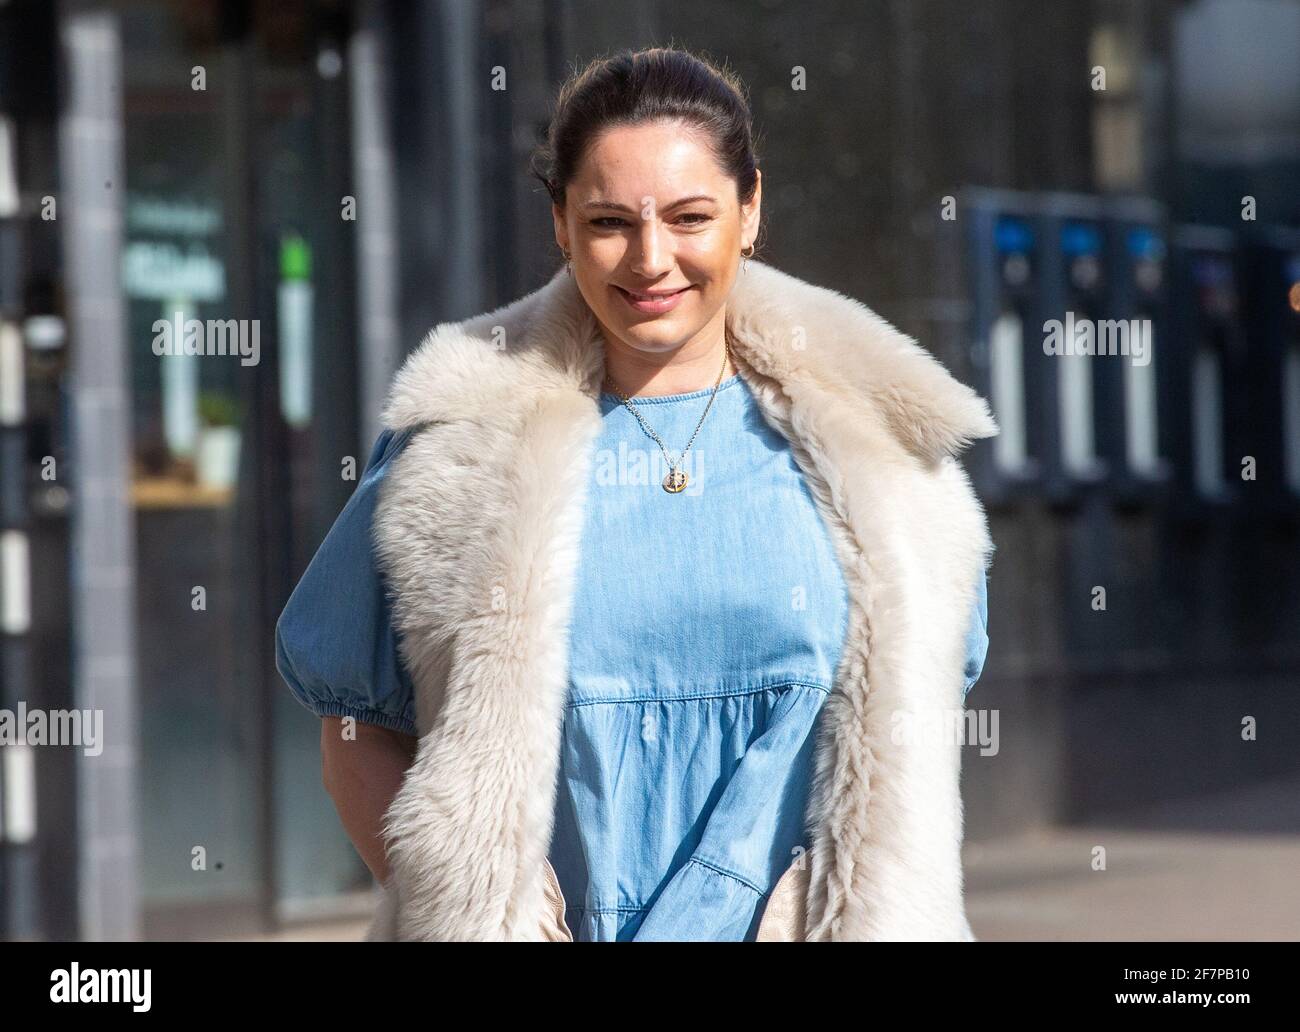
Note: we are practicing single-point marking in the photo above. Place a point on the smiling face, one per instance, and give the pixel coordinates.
(655, 231)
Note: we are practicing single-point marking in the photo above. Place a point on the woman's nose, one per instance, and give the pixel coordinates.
(653, 254)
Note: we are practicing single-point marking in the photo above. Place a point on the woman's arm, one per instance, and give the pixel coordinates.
(362, 776)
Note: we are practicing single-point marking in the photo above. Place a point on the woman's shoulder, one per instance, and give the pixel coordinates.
(388, 445)
(461, 367)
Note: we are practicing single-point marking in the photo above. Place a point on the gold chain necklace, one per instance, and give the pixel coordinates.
(675, 481)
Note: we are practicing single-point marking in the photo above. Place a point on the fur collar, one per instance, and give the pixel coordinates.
(786, 329)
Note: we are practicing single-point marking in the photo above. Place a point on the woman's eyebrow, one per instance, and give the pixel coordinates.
(668, 207)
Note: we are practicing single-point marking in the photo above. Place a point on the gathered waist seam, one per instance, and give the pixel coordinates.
(702, 693)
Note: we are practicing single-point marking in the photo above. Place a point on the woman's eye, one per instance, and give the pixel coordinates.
(693, 218)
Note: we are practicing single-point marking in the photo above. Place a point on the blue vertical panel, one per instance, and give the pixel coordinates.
(1205, 397)
(1002, 273)
(1132, 389)
(1073, 290)
(1272, 422)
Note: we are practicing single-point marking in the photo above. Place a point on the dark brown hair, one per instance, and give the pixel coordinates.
(638, 86)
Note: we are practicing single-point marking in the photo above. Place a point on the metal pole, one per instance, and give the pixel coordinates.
(460, 30)
(19, 873)
(103, 521)
(375, 177)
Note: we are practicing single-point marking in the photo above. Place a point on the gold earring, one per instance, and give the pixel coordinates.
(568, 262)
(746, 253)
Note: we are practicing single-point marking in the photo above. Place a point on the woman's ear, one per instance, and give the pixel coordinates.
(561, 226)
(750, 213)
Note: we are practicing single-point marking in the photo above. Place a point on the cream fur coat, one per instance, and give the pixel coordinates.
(477, 534)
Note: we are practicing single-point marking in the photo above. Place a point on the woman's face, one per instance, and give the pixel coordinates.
(651, 213)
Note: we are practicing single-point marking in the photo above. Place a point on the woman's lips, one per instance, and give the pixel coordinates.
(652, 304)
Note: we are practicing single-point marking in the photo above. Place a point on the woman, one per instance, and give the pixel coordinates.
(673, 570)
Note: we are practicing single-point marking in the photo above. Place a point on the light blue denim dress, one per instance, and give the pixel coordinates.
(706, 633)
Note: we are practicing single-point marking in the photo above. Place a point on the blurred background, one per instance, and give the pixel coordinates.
(344, 174)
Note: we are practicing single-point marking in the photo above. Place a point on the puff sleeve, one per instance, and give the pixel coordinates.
(977, 635)
(335, 645)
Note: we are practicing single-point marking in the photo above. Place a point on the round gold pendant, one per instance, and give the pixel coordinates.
(675, 481)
